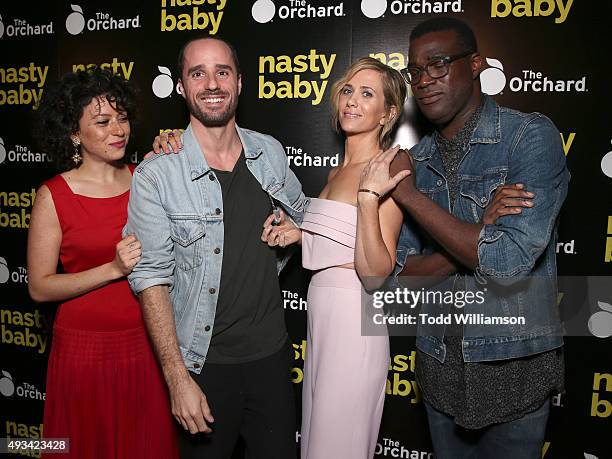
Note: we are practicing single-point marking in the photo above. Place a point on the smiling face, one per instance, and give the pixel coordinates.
(361, 103)
(103, 131)
(210, 83)
(442, 99)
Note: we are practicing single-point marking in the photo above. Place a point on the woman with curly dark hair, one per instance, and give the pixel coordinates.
(105, 392)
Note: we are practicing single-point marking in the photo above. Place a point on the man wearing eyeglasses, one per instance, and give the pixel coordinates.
(486, 388)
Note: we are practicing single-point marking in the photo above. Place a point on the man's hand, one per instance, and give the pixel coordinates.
(509, 199)
(188, 403)
(407, 187)
(376, 176)
(283, 233)
(190, 407)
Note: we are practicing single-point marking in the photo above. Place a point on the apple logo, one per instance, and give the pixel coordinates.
(2, 151)
(407, 135)
(600, 323)
(373, 8)
(7, 386)
(606, 163)
(263, 11)
(4, 271)
(162, 84)
(492, 79)
(75, 22)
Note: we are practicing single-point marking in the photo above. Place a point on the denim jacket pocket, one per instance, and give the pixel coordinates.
(430, 190)
(187, 232)
(479, 190)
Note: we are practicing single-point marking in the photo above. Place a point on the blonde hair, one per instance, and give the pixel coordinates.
(394, 91)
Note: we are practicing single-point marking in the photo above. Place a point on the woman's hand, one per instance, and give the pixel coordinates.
(282, 234)
(167, 142)
(127, 254)
(376, 176)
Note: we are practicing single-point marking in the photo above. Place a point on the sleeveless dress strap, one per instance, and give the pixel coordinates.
(63, 199)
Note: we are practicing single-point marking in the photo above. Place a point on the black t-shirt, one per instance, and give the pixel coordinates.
(249, 322)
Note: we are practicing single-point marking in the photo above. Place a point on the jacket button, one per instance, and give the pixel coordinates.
(212, 290)
(207, 328)
(439, 182)
(196, 365)
(437, 351)
(217, 211)
(211, 176)
(483, 199)
(217, 250)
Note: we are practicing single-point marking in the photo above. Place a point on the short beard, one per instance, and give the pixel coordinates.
(215, 119)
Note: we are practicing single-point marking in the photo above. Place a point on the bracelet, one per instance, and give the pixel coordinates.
(365, 190)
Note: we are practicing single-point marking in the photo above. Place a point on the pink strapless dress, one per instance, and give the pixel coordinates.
(344, 373)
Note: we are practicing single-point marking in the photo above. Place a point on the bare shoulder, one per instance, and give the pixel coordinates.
(43, 196)
(43, 211)
(328, 186)
(332, 173)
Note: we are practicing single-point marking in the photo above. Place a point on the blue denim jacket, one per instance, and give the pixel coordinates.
(516, 255)
(176, 211)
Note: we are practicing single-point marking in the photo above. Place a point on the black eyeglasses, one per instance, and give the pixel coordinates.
(436, 68)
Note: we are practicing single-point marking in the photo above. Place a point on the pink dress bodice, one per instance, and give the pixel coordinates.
(328, 234)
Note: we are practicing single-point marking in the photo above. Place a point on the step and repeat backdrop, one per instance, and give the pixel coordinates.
(551, 56)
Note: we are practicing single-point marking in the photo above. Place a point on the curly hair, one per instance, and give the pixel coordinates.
(63, 103)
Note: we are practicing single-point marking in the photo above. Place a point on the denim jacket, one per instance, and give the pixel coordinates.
(176, 211)
(516, 256)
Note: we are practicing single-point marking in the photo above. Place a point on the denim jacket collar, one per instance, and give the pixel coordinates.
(198, 164)
(487, 131)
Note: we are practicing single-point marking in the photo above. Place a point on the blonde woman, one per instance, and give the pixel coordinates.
(348, 239)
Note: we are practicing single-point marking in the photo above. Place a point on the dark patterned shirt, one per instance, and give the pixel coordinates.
(452, 151)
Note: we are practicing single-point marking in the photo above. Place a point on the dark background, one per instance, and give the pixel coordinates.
(578, 47)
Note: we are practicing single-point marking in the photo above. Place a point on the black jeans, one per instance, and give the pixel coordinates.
(254, 400)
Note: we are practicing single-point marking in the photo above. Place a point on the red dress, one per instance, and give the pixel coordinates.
(105, 391)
